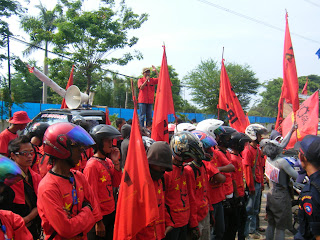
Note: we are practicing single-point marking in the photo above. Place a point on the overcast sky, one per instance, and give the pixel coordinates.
(195, 30)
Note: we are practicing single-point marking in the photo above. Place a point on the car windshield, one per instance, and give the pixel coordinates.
(51, 118)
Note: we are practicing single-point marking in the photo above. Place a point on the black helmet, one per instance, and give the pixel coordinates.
(238, 141)
(38, 129)
(185, 145)
(228, 130)
(101, 132)
(224, 136)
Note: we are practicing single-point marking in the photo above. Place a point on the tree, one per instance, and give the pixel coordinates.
(7, 9)
(268, 106)
(90, 37)
(204, 81)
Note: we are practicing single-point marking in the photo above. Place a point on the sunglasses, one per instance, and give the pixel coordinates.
(25, 153)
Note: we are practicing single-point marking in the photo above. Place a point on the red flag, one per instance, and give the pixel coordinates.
(280, 113)
(229, 102)
(164, 103)
(108, 122)
(70, 82)
(137, 203)
(305, 88)
(306, 118)
(290, 87)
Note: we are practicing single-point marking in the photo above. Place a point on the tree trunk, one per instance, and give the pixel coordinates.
(45, 69)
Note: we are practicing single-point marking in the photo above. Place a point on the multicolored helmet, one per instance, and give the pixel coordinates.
(206, 140)
(147, 142)
(59, 138)
(10, 172)
(186, 145)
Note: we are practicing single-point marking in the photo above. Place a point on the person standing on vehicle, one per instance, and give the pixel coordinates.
(278, 210)
(146, 87)
(18, 121)
(103, 173)
(66, 203)
(309, 206)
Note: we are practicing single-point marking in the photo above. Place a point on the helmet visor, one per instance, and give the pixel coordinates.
(208, 142)
(80, 137)
(10, 172)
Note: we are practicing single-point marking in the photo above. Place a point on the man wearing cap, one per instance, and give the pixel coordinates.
(146, 87)
(18, 122)
(309, 206)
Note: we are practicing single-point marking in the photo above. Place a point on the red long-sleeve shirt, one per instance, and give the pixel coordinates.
(198, 185)
(252, 157)
(102, 177)
(216, 190)
(15, 226)
(55, 202)
(177, 198)
(5, 137)
(236, 160)
(155, 231)
(146, 95)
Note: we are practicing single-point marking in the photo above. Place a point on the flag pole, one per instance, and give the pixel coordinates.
(218, 104)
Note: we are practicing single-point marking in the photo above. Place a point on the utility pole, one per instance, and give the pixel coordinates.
(9, 75)
(45, 70)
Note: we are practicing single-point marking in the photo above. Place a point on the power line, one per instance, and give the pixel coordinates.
(312, 3)
(254, 20)
(58, 54)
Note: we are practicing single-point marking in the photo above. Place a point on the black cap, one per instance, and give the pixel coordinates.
(310, 147)
(160, 154)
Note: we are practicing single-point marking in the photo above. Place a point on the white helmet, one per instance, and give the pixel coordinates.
(253, 129)
(209, 125)
(184, 127)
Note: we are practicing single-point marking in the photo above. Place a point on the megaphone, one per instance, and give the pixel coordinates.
(74, 98)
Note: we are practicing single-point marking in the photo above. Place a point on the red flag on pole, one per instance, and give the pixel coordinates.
(306, 118)
(164, 103)
(290, 87)
(137, 203)
(280, 113)
(70, 82)
(305, 88)
(229, 102)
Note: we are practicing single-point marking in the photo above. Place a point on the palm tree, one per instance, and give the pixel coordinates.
(41, 31)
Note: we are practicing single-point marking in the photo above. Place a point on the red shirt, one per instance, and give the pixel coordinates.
(177, 199)
(216, 190)
(102, 177)
(146, 95)
(252, 157)
(155, 231)
(18, 188)
(15, 226)
(44, 165)
(55, 203)
(236, 160)
(199, 186)
(5, 137)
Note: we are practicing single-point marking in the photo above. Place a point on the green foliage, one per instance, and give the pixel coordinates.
(8, 8)
(90, 37)
(113, 119)
(25, 87)
(268, 106)
(204, 81)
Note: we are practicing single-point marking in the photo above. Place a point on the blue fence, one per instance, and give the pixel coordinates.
(34, 108)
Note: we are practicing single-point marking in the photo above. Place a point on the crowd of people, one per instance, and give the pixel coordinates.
(208, 181)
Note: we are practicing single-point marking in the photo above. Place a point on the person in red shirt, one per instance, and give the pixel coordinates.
(26, 191)
(146, 87)
(35, 134)
(66, 203)
(12, 226)
(18, 121)
(237, 143)
(104, 173)
(253, 173)
(159, 157)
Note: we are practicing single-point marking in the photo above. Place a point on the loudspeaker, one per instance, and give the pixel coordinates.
(74, 98)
